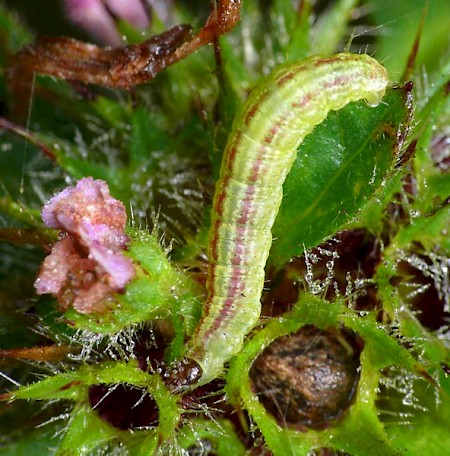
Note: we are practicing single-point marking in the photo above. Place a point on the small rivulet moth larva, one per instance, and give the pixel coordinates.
(259, 153)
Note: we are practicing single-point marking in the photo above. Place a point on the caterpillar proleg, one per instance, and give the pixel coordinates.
(260, 151)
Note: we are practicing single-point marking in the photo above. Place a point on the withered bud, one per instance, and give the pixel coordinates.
(87, 264)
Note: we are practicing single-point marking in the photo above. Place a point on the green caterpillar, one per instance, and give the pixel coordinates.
(259, 154)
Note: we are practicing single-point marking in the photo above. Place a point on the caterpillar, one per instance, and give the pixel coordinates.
(260, 151)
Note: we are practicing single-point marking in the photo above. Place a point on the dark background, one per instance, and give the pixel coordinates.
(45, 17)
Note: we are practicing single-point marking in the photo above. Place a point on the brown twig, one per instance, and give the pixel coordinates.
(121, 67)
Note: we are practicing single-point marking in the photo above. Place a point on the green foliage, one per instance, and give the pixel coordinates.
(159, 149)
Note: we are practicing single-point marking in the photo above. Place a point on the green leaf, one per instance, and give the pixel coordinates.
(60, 386)
(38, 442)
(86, 432)
(429, 230)
(338, 169)
(219, 433)
(332, 27)
(426, 431)
(399, 22)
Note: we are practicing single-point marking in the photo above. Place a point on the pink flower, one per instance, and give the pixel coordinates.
(92, 16)
(95, 17)
(86, 265)
(132, 11)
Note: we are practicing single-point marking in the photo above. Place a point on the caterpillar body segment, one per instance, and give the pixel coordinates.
(260, 152)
